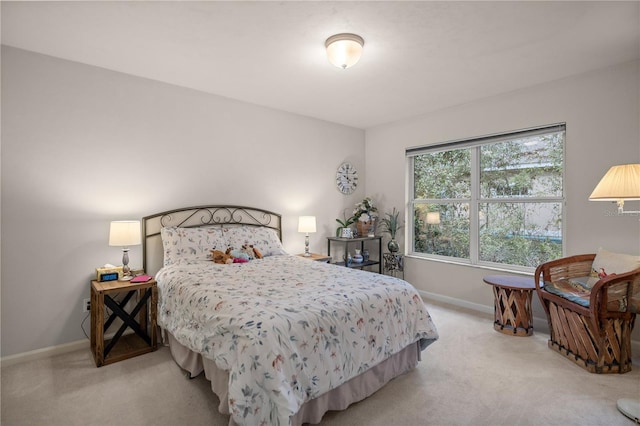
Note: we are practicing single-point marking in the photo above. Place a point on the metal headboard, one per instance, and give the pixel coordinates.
(195, 217)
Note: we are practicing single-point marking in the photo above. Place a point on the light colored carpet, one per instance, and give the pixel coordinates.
(472, 375)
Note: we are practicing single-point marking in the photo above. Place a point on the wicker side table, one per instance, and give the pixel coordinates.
(512, 305)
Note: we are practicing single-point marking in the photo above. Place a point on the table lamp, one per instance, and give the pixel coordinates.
(125, 233)
(306, 224)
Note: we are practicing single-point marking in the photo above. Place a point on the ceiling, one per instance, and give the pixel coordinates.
(418, 56)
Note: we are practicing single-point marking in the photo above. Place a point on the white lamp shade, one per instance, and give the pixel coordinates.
(125, 233)
(619, 183)
(344, 50)
(433, 218)
(307, 224)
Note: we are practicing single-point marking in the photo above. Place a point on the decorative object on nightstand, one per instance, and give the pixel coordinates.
(344, 224)
(620, 183)
(346, 233)
(125, 233)
(141, 319)
(306, 224)
(391, 224)
(109, 273)
(393, 246)
(365, 215)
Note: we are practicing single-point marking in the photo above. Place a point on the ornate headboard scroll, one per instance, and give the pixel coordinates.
(195, 217)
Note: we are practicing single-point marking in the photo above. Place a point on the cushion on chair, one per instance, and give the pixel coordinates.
(607, 263)
(577, 291)
(574, 289)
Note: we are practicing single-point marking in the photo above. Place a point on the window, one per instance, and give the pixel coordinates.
(492, 201)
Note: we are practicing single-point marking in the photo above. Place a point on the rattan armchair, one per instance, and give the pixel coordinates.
(597, 337)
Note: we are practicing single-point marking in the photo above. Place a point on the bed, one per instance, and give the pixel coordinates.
(282, 339)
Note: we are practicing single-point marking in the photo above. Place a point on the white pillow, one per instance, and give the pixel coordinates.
(191, 244)
(608, 263)
(264, 239)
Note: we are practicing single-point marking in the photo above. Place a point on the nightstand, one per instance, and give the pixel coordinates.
(317, 257)
(141, 320)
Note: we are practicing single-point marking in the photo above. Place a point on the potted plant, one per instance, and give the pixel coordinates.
(344, 223)
(364, 215)
(391, 224)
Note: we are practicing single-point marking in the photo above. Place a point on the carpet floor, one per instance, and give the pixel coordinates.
(472, 375)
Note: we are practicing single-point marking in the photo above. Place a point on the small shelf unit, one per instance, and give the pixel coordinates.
(368, 243)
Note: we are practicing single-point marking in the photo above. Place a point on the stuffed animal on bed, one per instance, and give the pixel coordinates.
(221, 257)
(245, 254)
(251, 251)
(239, 256)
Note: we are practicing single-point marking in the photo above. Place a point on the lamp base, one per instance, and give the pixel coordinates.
(306, 246)
(126, 271)
(630, 408)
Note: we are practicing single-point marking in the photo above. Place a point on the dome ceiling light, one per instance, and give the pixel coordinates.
(344, 50)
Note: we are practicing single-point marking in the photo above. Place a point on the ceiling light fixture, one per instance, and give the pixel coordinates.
(344, 50)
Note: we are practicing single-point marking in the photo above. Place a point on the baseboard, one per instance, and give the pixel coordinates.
(456, 302)
(44, 352)
(539, 324)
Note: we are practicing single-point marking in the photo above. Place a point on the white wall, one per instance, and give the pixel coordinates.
(82, 146)
(602, 112)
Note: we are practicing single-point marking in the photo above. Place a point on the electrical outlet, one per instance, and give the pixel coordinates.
(86, 305)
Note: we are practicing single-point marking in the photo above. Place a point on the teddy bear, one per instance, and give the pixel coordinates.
(221, 257)
(231, 255)
(251, 251)
(238, 256)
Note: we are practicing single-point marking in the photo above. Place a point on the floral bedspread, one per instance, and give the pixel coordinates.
(288, 329)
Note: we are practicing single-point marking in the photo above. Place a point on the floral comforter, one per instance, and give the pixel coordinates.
(288, 329)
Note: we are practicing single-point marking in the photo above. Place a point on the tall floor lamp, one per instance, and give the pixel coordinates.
(306, 224)
(621, 183)
(125, 233)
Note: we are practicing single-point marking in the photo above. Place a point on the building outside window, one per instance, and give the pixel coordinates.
(493, 201)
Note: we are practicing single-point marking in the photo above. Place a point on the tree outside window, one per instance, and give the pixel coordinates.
(495, 201)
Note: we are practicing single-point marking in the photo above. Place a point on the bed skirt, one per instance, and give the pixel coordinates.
(354, 390)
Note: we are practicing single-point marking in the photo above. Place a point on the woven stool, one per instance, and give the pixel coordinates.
(512, 305)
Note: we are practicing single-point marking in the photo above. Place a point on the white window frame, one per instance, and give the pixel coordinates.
(475, 199)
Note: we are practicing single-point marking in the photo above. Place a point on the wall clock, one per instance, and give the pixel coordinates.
(346, 178)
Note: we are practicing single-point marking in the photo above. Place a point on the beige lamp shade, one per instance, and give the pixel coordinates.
(433, 218)
(307, 224)
(619, 183)
(125, 233)
(344, 50)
